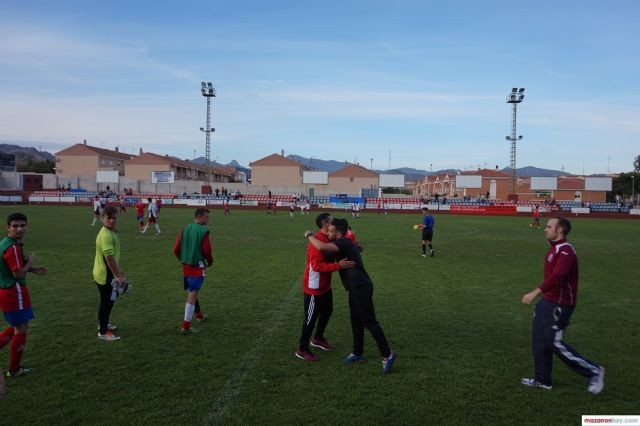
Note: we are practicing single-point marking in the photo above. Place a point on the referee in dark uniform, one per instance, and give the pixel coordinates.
(427, 232)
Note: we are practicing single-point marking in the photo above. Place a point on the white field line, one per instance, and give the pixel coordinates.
(230, 395)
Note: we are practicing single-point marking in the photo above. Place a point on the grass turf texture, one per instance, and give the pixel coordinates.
(456, 322)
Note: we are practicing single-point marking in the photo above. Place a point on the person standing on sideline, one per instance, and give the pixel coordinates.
(227, 210)
(123, 204)
(96, 210)
(140, 213)
(318, 295)
(193, 249)
(106, 269)
(559, 291)
(427, 232)
(153, 218)
(360, 287)
(15, 302)
(536, 217)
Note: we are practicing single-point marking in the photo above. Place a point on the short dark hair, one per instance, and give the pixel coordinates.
(424, 209)
(565, 224)
(15, 216)
(322, 218)
(109, 211)
(201, 211)
(341, 225)
(149, 199)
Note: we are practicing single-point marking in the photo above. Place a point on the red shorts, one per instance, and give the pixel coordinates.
(14, 298)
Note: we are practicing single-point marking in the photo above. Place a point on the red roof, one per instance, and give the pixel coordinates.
(81, 149)
(275, 160)
(354, 170)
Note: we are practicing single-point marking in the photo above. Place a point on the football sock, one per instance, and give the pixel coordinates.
(424, 249)
(5, 336)
(94, 221)
(157, 228)
(145, 229)
(141, 224)
(197, 305)
(186, 325)
(189, 309)
(16, 349)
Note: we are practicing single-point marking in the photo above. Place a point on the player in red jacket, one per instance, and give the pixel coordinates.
(318, 296)
(559, 291)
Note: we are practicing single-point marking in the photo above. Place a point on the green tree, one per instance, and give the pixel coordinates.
(44, 166)
(622, 185)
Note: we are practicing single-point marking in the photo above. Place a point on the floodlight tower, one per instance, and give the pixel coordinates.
(515, 97)
(208, 92)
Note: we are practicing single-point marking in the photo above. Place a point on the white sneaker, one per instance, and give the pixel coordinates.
(596, 383)
(108, 336)
(534, 383)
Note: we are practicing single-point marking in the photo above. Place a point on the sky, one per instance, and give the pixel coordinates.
(400, 83)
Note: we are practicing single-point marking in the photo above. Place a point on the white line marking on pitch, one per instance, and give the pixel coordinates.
(230, 395)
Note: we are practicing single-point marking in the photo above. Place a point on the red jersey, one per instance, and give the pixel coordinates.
(17, 296)
(560, 283)
(139, 208)
(317, 272)
(536, 212)
(351, 236)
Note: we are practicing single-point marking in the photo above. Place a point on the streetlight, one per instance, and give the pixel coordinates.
(208, 92)
(371, 167)
(515, 97)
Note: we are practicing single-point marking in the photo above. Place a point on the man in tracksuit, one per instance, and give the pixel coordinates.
(552, 313)
(318, 296)
(360, 287)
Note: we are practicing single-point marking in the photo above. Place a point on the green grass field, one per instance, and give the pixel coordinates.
(456, 322)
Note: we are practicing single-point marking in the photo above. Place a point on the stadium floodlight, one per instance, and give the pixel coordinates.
(208, 92)
(515, 97)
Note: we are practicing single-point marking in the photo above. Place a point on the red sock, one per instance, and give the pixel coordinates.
(5, 336)
(16, 349)
(199, 315)
(186, 325)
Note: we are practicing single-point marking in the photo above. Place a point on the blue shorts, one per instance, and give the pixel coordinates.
(22, 316)
(193, 283)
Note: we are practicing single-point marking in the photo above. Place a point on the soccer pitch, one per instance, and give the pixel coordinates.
(455, 320)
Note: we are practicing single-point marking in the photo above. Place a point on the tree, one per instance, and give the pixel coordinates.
(45, 166)
(636, 164)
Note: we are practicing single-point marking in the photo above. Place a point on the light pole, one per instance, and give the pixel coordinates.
(371, 167)
(515, 97)
(633, 187)
(208, 92)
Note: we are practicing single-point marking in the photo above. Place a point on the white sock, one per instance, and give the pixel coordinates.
(188, 311)
(94, 221)
(157, 228)
(145, 229)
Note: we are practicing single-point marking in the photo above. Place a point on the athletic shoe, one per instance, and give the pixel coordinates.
(354, 359)
(424, 255)
(110, 327)
(433, 252)
(306, 355)
(203, 318)
(159, 232)
(534, 383)
(188, 331)
(322, 344)
(22, 371)
(108, 336)
(596, 383)
(387, 363)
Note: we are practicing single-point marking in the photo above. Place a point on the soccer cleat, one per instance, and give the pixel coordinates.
(596, 383)
(424, 255)
(387, 363)
(433, 252)
(322, 344)
(188, 331)
(534, 383)
(108, 336)
(354, 359)
(306, 355)
(110, 327)
(22, 371)
(202, 318)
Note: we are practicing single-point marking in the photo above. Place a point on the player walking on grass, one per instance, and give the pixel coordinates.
(536, 218)
(318, 295)
(15, 302)
(427, 225)
(360, 287)
(193, 249)
(559, 291)
(96, 210)
(107, 273)
(153, 218)
(140, 213)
